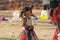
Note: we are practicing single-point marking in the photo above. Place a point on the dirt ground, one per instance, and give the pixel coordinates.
(44, 31)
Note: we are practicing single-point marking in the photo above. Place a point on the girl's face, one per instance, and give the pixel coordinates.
(28, 13)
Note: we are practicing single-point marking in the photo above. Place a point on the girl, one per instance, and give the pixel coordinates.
(28, 33)
(57, 21)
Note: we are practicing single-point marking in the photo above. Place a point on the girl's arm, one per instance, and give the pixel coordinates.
(34, 16)
(24, 22)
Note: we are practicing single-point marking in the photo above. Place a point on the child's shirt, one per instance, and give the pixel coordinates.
(27, 21)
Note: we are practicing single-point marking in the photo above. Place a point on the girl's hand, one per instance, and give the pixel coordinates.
(36, 17)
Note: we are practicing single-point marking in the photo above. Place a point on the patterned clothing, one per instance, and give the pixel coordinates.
(28, 33)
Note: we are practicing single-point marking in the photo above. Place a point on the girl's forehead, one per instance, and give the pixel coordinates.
(28, 11)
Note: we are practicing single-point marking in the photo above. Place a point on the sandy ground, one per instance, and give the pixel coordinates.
(44, 31)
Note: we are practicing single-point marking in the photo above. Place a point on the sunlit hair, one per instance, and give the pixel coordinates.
(25, 9)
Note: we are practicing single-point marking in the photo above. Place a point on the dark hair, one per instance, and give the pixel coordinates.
(58, 2)
(25, 9)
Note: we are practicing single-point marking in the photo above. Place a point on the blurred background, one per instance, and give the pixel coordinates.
(10, 10)
(18, 4)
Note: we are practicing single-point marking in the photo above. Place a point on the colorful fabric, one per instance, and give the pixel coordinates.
(24, 36)
(55, 35)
